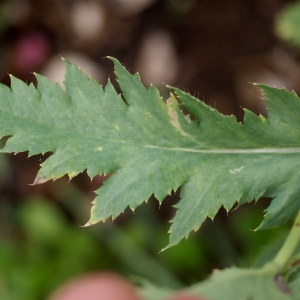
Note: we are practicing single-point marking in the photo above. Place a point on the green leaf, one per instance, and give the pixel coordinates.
(233, 283)
(287, 23)
(153, 148)
(294, 282)
(149, 291)
(292, 275)
(243, 284)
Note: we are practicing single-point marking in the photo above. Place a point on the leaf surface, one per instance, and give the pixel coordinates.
(233, 283)
(153, 148)
(242, 284)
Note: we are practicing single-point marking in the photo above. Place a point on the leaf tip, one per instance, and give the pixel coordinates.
(114, 60)
(163, 249)
(39, 180)
(171, 244)
(88, 224)
(71, 175)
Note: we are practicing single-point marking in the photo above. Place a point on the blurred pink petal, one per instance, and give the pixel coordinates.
(31, 51)
(96, 286)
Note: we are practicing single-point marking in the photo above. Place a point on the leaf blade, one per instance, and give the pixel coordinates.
(153, 148)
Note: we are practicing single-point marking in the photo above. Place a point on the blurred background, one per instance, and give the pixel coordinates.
(214, 50)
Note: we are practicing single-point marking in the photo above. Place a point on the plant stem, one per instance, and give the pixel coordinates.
(289, 246)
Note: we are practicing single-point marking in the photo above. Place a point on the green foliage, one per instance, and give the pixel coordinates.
(152, 148)
(287, 25)
(234, 283)
(46, 245)
(243, 284)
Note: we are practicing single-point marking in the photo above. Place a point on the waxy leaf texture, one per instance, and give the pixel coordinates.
(152, 148)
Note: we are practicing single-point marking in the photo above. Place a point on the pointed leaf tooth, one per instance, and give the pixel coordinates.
(88, 224)
(39, 180)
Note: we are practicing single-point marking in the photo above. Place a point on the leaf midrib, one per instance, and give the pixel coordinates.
(284, 150)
